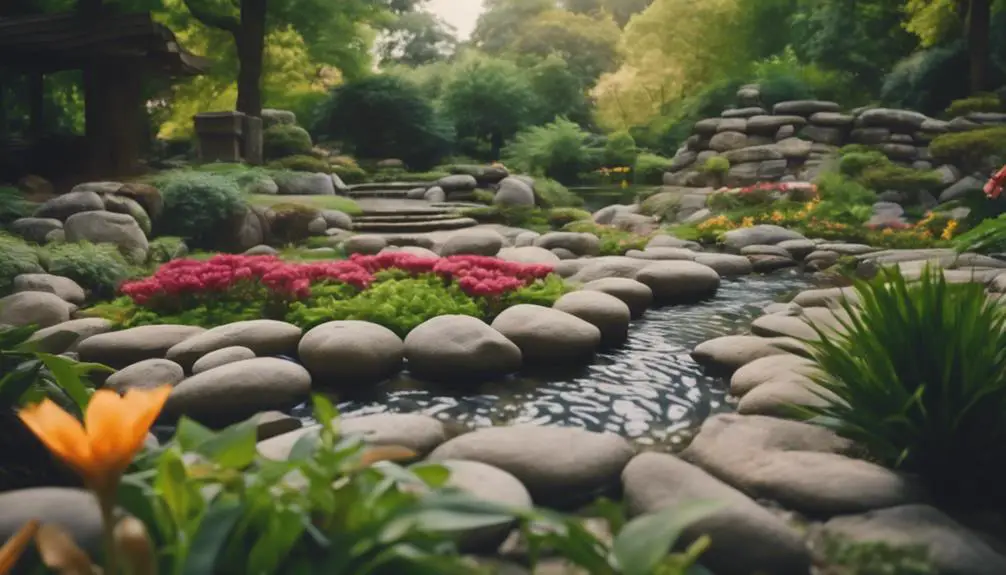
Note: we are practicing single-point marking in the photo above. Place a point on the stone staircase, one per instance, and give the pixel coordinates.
(412, 220)
(389, 190)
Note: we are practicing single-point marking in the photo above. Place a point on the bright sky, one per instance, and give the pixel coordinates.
(461, 14)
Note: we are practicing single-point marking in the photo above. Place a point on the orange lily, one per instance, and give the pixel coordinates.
(113, 432)
(14, 547)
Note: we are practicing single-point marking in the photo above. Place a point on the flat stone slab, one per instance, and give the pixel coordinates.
(415, 226)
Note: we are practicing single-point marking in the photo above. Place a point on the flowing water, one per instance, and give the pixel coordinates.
(649, 389)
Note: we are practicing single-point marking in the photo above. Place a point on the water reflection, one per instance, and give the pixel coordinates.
(648, 389)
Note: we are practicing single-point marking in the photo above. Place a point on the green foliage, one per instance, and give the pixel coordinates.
(400, 176)
(558, 92)
(717, 165)
(650, 168)
(620, 150)
(350, 174)
(987, 237)
(977, 103)
(875, 558)
(526, 217)
(165, 249)
(854, 163)
(928, 80)
(915, 377)
(301, 164)
(282, 140)
(785, 77)
(16, 258)
(197, 206)
(840, 190)
(552, 194)
(98, 268)
(614, 242)
(664, 205)
(900, 178)
(559, 150)
(559, 217)
(484, 196)
(971, 150)
(249, 179)
(13, 205)
(386, 116)
(399, 305)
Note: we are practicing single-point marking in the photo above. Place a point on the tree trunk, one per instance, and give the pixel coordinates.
(250, 41)
(496, 140)
(979, 15)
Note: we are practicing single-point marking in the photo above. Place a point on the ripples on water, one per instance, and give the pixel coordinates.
(648, 389)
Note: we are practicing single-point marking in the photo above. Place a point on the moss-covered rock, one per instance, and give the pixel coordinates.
(301, 163)
(284, 140)
(977, 150)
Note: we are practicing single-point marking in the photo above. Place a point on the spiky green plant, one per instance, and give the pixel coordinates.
(917, 376)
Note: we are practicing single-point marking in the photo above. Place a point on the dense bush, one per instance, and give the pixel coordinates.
(976, 150)
(301, 163)
(197, 206)
(842, 190)
(717, 165)
(976, 103)
(559, 217)
(250, 179)
(386, 116)
(900, 178)
(350, 174)
(614, 242)
(853, 162)
(402, 176)
(620, 150)
(915, 376)
(928, 80)
(290, 222)
(97, 268)
(552, 194)
(650, 168)
(559, 150)
(282, 140)
(16, 258)
(526, 217)
(165, 249)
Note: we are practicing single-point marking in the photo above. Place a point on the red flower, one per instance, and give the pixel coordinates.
(994, 186)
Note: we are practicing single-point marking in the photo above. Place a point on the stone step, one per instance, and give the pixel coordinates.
(416, 211)
(399, 217)
(388, 194)
(388, 186)
(416, 227)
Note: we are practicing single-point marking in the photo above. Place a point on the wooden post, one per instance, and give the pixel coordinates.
(113, 110)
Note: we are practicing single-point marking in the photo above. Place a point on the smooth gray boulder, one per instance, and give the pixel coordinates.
(459, 348)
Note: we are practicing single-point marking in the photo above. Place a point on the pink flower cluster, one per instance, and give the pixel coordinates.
(234, 275)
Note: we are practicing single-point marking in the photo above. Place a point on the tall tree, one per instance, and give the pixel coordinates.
(416, 38)
(501, 21)
(938, 21)
(589, 44)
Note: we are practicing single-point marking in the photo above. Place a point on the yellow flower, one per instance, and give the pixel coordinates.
(15, 546)
(747, 222)
(113, 432)
(948, 232)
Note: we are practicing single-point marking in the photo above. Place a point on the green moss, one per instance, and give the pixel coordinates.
(552, 194)
(350, 174)
(165, 249)
(341, 203)
(899, 178)
(197, 205)
(976, 103)
(971, 150)
(301, 163)
(716, 165)
(650, 168)
(854, 163)
(484, 196)
(662, 204)
(559, 217)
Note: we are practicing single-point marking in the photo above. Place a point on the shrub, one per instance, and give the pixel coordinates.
(559, 217)
(614, 242)
(620, 150)
(527, 217)
(650, 168)
(165, 249)
(841, 190)
(928, 80)
(13, 205)
(899, 178)
(552, 194)
(383, 116)
(301, 163)
(915, 376)
(484, 196)
(197, 206)
(987, 237)
(401, 176)
(559, 150)
(250, 179)
(717, 165)
(977, 103)
(973, 151)
(350, 174)
(97, 268)
(291, 222)
(853, 163)
(16, 258)
(282, 140)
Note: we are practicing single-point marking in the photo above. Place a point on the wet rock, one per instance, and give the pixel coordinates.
(662, 254)
(665, 241)
(777, 398)
(764, 264)
(679, 281)
(745, 537)
(119, 349)
(581, 244)
(826, 297)
(547, 335)
(265, 337)
(459, 348)
(588, 270)
(605, 312)
(731, 352)
(41, 309)
(726, 265)
(799, 249)
(953, 549)
(222, 356)
(759, 235)
(558, 465)
(770, 368)
(636, 295)
(146, 374)
(351, 352)
(239, 390)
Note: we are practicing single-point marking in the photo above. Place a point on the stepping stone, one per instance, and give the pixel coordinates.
(414, 227)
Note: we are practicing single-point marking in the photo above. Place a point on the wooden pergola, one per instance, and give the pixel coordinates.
(115, 52)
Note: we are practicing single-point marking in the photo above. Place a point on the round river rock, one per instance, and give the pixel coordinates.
(454, 347)
(546, 335)
(350, 351)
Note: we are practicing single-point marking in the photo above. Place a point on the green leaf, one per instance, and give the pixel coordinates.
(190, 435)
(324, 411)
(233, 447)
(64, 372)
(172, 483)
(645, 541)
(57, 342)
(211, 536)
(432, 474)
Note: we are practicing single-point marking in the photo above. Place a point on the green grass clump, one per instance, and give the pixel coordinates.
(340, 203)
(301, 163)
(916, 378)
(16, 258)
(971, 150)
(98, 268)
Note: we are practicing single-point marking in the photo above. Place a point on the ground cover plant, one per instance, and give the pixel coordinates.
(396, 290)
